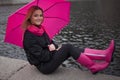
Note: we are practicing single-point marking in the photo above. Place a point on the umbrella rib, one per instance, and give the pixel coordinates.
(38, 2)
(57, 18)
(53, 5)
(19, 13)
(15, 28)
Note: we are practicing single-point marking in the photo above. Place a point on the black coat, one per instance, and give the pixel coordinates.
(36, 48)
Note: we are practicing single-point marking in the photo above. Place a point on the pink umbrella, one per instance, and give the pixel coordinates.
(56, 16)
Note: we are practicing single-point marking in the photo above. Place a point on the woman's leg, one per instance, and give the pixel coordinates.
(80, 56)
(61, 55)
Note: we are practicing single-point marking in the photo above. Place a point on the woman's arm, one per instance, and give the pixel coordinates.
(56, 46)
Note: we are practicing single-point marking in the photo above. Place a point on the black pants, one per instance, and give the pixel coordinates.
(61, 55)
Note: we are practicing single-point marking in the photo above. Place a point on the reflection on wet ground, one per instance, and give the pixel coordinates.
(86, 29)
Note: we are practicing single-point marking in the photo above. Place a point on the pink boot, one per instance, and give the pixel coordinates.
(90, 64)
(101, 54)
(87, 58)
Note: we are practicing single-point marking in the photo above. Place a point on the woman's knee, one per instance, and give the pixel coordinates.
(67, 46)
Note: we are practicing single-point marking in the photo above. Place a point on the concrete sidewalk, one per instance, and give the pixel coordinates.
(14, 69)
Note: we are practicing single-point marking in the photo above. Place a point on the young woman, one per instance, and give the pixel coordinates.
(47, 56)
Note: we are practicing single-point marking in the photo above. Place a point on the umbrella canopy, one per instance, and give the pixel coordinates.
(56, 16)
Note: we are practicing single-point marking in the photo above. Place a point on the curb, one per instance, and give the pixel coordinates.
(14, 69)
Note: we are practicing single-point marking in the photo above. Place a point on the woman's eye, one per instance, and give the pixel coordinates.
(35, 15)
(41, 15)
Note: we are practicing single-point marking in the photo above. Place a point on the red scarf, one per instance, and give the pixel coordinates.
(36, 30)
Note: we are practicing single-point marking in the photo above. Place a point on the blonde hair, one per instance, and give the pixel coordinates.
(27, 21)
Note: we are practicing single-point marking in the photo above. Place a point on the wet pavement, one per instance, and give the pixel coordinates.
(86, 29)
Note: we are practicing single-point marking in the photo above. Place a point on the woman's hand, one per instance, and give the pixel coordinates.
(59, 47)
(51, 47)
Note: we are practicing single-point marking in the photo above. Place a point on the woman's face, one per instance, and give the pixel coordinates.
(37, 17)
